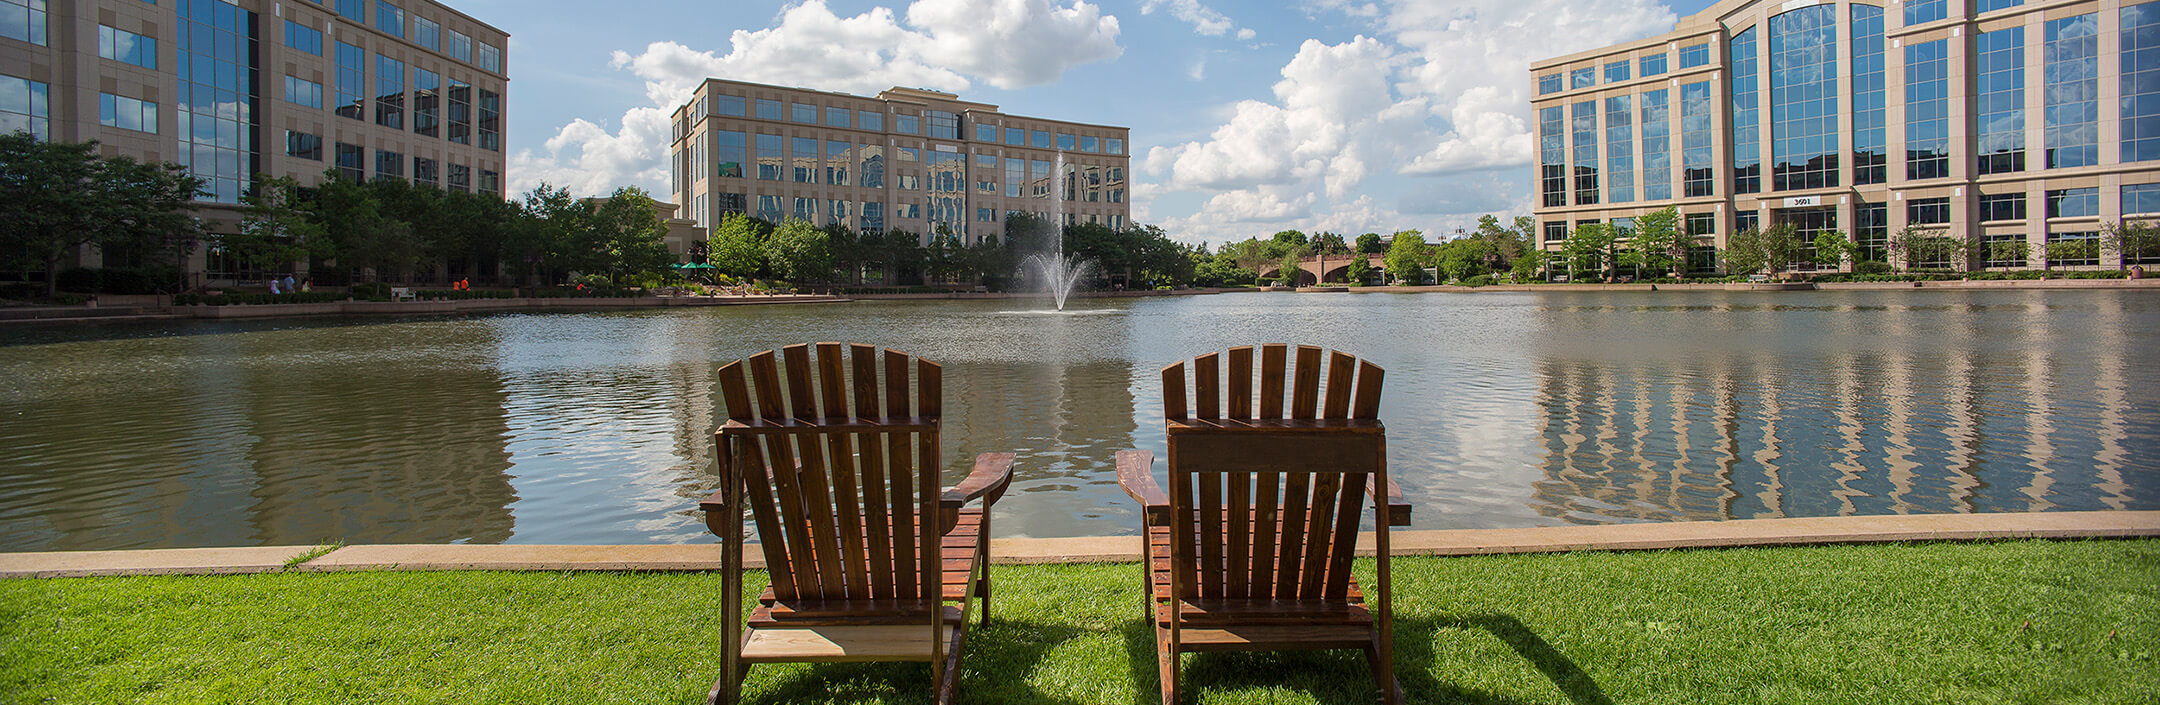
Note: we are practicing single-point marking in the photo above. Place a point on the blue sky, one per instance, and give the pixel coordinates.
(1246, 118)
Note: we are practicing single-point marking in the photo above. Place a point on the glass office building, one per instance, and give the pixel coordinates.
(1871, 119)
(908, 159)
(233, 88)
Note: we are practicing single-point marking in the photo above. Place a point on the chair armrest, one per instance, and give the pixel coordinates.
(991, 476)
(1397, 510)
(1136, 474)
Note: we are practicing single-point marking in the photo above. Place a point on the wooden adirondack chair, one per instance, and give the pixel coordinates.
(1250, 549)
(870, 560)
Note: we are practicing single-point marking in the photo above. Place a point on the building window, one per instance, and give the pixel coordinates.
(2002, 206)
(1696, 175)
(2140, 82)
(838, 215)
(769, 160)
(460, 46)
(1871, 231)
(490, 182)
(1927, 114)
(873, 217)
(837, 117)
(907, 124)
(1746, 220)
(2073, 87)
(985, 132)
(303, 145)
(427, 103)
(806, 209)
(768, 208)
(300, 91)
(1693, 56)
(2074, 248)
(1113, 145)
(2140, 199)
(1582, 78)
(426, 171)
(1746, 117)
(1620, 149)
(1015, 136)
(389, 165)
(2001, 146)
(1090, 144)
(23, 20)
(127, 47)
(730, 105)
(1617, 71)
(23, 106)
(1040, 139)
(1064, 142)
(870, 169)
(389, 92)
(730, 151)
(490, 120)
(2073, 203)
(390, 18)
(429, 35)
(985, 215)
(1927, 211)
(1583, 126)
(460, 106)
(1870, 157)
(1015, 174)
(348, 161)
(802, 113)
(1652, 65)
(943, 125)
(1656, 145)
(1803, 99)
(355, 10)
(1920, 11)
(1701, 224)
(2003, 249)
(460, 178)
(303, 37)
(803, 156)
(727, 203)
(1993, 5)
(874, 122)
(490, 58)
(768, 109)
(127, 113)
(1548, 84)
(351, 81)
(217, 87)
(836, 164)
(1555, 232)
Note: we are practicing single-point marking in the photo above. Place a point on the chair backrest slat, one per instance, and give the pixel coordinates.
(840, 492)
(1262, 507)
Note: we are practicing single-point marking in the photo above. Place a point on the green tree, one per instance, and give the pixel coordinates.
(626, 236)
(277, 226)
(1370, 244)
(1527, 266)
(56, 197)
(1360, 271)
(1832, 247)
(1589, 248)
(800, 253)
(1658, 244)
(1330, 244)
(1755, 251)
(362, 236)
(1918, 246)
(1407, 256)
(1465, 258)
(2131, 242)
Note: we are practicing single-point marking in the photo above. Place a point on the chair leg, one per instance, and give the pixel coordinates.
(1383, 671)
(982, 587)
(1167, 663)
(948, 677)
(728, 689)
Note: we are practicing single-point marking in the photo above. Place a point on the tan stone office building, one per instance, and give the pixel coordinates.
(1993, 120)
(406, 89)
(909, 159)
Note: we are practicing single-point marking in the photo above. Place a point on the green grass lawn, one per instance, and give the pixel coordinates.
(2028, 621)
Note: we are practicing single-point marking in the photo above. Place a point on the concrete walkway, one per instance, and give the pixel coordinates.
(1455, 542)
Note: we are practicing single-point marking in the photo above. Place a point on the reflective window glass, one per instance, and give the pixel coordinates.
(1582, 78)
(2001, 99)
(1616, 71)
(1804, 99)
(2072, 98)
(1651, 65)
(2073, 203)
(1746, 116)
(838, 117)
(1927, 113)
(24, 107)
(1695, 55)
(1548, 83)
(1870, 158)
(303, 37)
(1656, 145)
(1583, 124)
(2140, 82)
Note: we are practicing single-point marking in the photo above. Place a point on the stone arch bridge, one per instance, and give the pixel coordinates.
(1319, 268)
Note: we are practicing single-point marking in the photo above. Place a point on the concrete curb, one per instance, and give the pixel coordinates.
(1111, 549)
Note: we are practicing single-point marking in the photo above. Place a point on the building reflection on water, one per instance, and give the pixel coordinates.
(1755, 429)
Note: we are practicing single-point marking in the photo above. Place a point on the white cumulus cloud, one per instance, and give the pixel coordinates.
(942, 44)
(1205, 20)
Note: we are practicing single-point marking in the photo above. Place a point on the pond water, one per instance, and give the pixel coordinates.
(1503, 410)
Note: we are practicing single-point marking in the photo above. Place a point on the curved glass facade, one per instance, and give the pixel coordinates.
(1804, 99)
(1746, 118)
(1869, 156)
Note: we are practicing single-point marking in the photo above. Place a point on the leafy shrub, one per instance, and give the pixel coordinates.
(313, 297)
(1479, 280)
(456, 295)
(1872, 267)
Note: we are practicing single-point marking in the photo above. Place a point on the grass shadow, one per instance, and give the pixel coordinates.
(1414, 640)
(994, 665)
(1334, 677)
